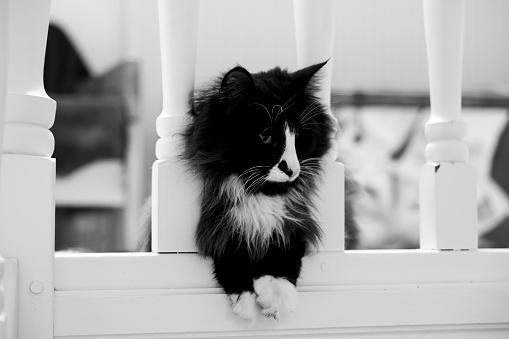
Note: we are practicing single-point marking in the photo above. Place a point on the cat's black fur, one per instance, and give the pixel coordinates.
(240, 134)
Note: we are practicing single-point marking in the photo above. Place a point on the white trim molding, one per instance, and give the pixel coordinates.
(362, 292)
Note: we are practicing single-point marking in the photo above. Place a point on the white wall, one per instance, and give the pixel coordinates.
(379, 44)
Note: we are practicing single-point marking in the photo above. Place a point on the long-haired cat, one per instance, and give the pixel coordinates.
(256, 142)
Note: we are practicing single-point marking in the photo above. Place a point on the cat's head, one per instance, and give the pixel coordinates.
(267, 128)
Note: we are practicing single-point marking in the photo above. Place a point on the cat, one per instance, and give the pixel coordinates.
(257, 142)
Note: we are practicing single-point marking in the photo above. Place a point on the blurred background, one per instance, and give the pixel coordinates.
(103, 69)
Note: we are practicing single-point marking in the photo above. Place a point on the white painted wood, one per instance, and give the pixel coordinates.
(314, 32)
(10, 283)
(178, 200)
(3, 93)
(330, 206)
(444, 26)
(30, 112)
(27, 177)
(448, 205)
(173, 193)
(27, 234)
(414, 332)
(3, 321)
(176, 210)
(4, 27)
(445, 222)
(130, 271)
(178, 26)
(206, 312)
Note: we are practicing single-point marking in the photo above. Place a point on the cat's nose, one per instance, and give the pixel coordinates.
(292, 174)
(283, 166)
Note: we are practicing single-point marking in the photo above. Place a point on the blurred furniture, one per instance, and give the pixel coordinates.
(91, 132)
(382, 143)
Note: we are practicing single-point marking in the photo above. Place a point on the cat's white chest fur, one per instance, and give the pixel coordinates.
(260, 215)
(256, 216)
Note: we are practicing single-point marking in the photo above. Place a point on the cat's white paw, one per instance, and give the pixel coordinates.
(244, 305)
(276, 296)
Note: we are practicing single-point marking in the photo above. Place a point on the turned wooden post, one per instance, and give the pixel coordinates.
(314, 29)
(27, 176)
(175, 205)
(3, 93)
(448, 205)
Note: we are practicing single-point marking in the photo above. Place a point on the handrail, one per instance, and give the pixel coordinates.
(27, 180)
(447, 188)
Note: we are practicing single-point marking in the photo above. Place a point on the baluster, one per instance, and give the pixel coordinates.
(175, 206)
(314, 29)
(3, 93)
(28, 174)
(448, 206)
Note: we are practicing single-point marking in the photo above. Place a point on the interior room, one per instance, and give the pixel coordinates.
(106, 78)
(254, 168)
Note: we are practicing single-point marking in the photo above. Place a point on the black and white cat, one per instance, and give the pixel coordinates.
(256, 142)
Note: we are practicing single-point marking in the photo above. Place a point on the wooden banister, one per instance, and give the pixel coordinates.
(27, 178)
(364, 294)
(30, 112)
(314, 29)
(448, 202)
(174, 193)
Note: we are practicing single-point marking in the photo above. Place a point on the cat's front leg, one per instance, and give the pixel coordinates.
(244, 305)
(276, 279)
(233, 273)
(276, 296)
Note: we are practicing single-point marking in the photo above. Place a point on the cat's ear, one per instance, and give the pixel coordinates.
(304, 76)
(237, 82)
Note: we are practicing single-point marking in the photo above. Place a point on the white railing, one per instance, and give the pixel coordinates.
(448, 203)
(27, 179)
(448, 287)
(3, 93)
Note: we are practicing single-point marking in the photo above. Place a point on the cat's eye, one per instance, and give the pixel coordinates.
(266, 136)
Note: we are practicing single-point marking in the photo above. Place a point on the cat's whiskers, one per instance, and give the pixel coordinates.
(308, 124)
(266, 110)
(311, 129)
(255, 185)
(252, 169)
(314, 123)
(287, 101)
(312, 108)
(251, 172)
(311, 167)
(316, 160)
(310, 115)
(249, 176)
(283, 108)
